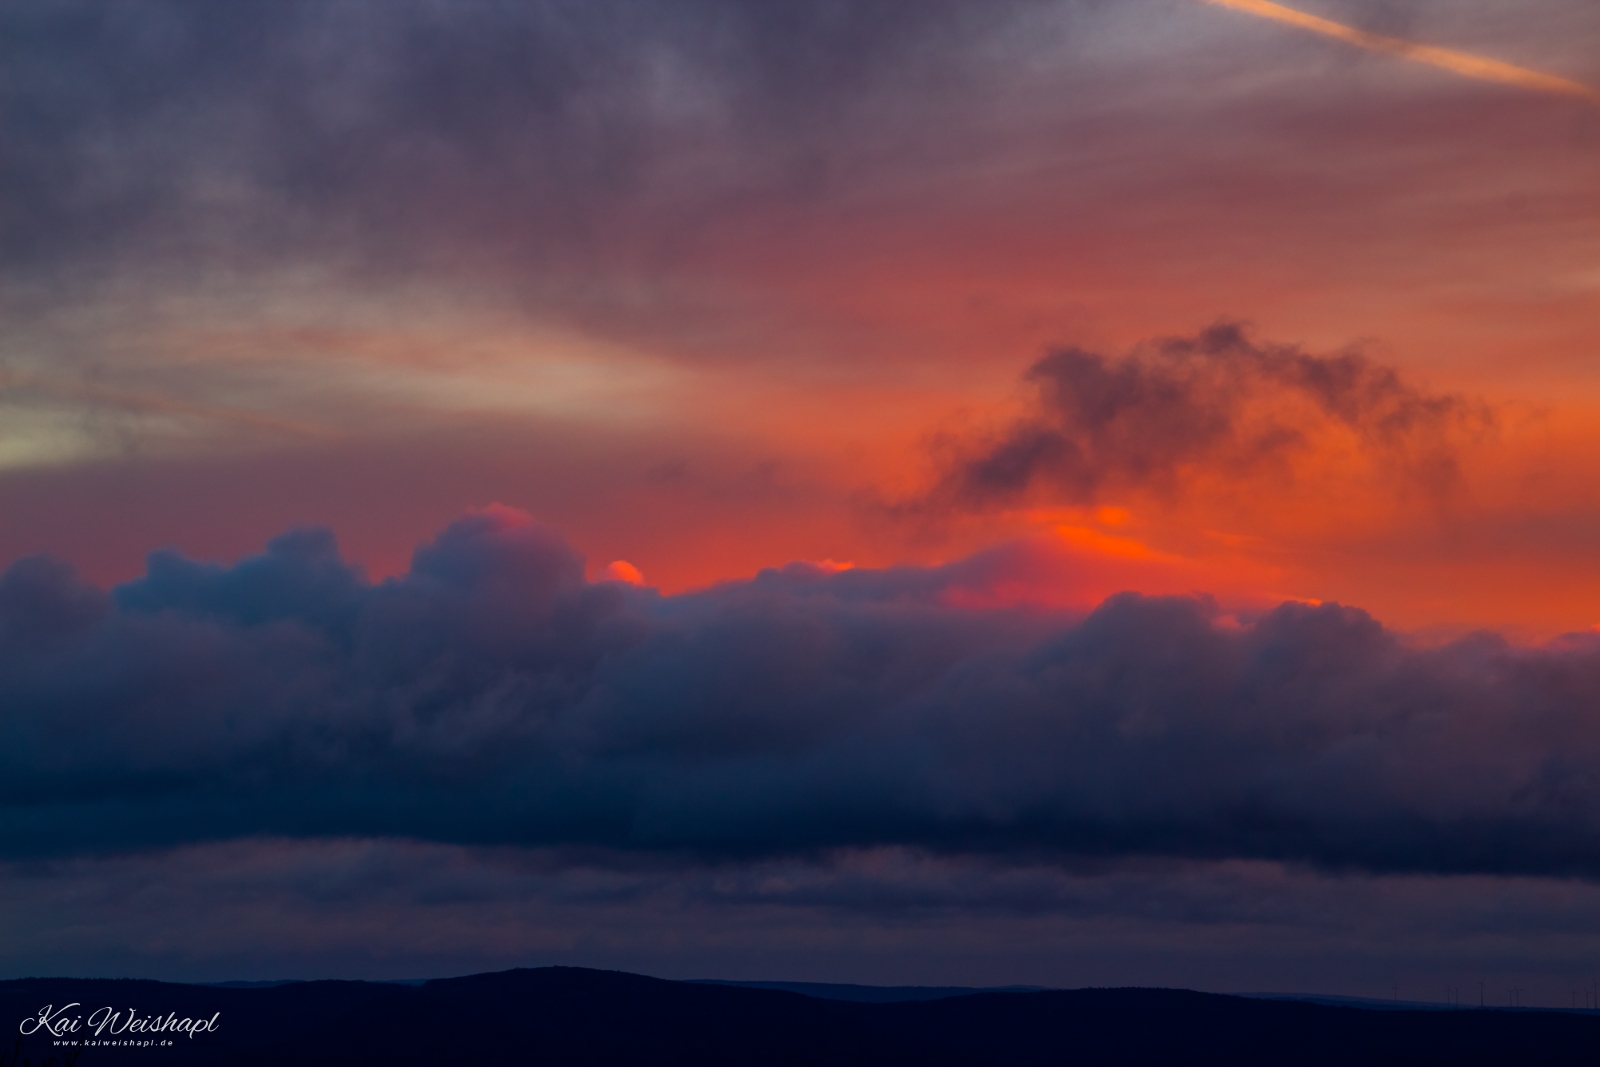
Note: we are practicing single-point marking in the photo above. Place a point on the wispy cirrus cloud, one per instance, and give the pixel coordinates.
(1471, 66)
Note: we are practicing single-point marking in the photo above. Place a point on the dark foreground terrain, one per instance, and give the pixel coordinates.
(558, 1015)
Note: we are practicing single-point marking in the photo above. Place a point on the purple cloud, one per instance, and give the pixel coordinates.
(491, 696)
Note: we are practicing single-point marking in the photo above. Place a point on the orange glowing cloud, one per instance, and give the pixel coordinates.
(621, 570)
(1075, 567)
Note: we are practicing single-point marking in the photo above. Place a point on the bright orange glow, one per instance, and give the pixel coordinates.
(1106, 545)
(621, 571)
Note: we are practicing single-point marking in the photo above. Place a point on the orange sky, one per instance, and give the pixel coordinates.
(766, 346)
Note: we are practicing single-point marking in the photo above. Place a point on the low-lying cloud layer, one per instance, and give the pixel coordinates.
(492, 696)
(271, 908)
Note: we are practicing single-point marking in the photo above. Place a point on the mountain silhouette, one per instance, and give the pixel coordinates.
(558, 1016)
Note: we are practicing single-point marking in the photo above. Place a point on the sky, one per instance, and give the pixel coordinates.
(1070, 492)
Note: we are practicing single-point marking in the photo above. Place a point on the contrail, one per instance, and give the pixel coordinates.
(1472, 66)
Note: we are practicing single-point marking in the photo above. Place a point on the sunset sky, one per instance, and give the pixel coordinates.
(697, 441)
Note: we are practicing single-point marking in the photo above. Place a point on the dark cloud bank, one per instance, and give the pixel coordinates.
(492, 696)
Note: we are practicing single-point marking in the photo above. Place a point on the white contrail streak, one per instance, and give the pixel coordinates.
(1460, 62)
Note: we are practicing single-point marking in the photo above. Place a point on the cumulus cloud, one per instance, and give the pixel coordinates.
(1218, 401)
(492, 696)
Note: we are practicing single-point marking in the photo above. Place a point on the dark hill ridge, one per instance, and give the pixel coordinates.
(569, 1016)
(873, 994)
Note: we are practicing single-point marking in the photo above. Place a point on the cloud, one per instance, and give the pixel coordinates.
(1470, 66)
(492, 696)
(273, 908)
(1217, 402)
(384, 134)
